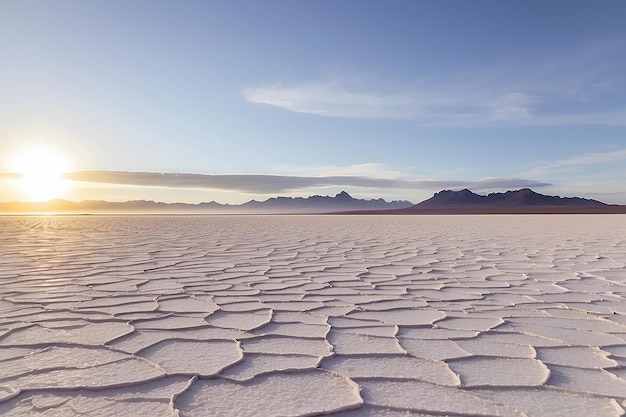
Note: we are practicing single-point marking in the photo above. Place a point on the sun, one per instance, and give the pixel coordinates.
(40, 169)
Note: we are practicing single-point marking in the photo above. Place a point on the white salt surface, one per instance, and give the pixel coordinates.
(313, 315)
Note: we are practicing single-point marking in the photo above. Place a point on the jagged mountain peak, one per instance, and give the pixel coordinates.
(343, 195)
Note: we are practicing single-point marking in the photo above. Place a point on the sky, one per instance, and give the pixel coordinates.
(234, 100)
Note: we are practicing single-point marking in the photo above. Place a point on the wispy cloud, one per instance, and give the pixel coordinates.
(583, 160)
(427, 107)
(326, 100)
(270, 184)
(460, 109)
(572, 87)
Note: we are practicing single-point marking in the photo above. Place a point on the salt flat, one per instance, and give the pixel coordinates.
(311, 315)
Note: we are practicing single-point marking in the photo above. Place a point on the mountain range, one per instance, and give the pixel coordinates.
(275, 205)
(524, 201)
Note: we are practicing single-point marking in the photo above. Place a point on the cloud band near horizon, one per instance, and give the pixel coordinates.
(268, 184)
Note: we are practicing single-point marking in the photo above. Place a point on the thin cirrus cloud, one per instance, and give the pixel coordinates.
(424, 106)
(268, 184)
(582, 160)
(430, 107)
(325, 100)
(579, 85)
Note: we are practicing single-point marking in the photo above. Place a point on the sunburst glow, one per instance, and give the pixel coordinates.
(41, 169)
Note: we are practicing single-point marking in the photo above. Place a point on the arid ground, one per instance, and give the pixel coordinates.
(493, 315)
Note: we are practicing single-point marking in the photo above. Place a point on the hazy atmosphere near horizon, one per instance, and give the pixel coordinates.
(240, 100)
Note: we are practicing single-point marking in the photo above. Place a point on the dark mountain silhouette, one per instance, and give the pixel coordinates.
(525, 197)
(314, 204)
(524, 201)
(450, 198)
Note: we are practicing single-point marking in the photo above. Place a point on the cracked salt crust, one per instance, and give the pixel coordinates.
(309, 315)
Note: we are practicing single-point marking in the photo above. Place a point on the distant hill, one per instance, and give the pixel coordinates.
(321, 204)
(518, 201)
(519, 198)
(279, 205)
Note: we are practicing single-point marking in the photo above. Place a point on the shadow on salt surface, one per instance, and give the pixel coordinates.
(429, 398)
(87, 333)
(393, 367)
(291, 394)
(138, 399)
(538, 402)
(7, 392)
(76, 367)
(592, 381)
(373, 411)
(563, 331)
(577, 357)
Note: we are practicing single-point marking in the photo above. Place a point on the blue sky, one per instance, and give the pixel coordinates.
(382, 99)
